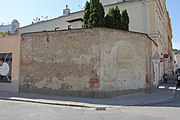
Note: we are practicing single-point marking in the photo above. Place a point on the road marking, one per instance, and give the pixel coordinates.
(172, 88)
(178, 89)
(162, 87)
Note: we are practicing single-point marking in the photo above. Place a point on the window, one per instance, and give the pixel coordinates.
(5, 67)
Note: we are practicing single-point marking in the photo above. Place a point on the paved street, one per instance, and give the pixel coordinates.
(31, 111)
(175, 102)
(159, 105)
(161, 94)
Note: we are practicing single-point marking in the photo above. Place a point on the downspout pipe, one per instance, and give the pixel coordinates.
(145, 15)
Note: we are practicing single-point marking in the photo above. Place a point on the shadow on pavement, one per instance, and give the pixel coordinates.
(164, 95)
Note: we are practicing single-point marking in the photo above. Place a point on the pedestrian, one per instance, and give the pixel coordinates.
(165, 77)
(1, 62)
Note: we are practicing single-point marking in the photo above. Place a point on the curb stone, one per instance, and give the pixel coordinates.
(47, 103)
(97, 107)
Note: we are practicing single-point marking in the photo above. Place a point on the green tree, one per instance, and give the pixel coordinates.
(96, 15)
(86, 15)
(125, 20)
(2, 34)
(176, 51)
(108, 20)
(113, 18)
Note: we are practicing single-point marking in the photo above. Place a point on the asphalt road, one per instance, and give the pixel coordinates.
(29, 111)
(175, 102)
(12, 110)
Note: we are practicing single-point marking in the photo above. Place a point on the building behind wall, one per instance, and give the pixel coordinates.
(10, 28)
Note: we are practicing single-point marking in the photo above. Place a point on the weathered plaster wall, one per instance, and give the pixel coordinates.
(124, 60)
(11, 44)
(59, 60)
(85, 60)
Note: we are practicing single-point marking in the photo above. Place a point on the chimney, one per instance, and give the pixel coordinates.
(15, 25)
(66, 11)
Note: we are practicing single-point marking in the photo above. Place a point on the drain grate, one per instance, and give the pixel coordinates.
(101, 108)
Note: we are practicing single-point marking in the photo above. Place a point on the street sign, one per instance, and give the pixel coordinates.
(161, 59)
(165, 55)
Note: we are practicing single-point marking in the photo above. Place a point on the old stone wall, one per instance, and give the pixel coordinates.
(95, 62)
(125, 60)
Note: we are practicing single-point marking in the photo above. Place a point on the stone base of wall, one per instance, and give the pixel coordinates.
(9, 87)
(87, 94)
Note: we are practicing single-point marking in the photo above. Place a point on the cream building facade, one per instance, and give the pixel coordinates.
(146, 16)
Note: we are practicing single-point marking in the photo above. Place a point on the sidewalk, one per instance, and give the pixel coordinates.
(164, 93)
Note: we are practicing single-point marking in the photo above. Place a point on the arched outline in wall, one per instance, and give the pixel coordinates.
(114, 52)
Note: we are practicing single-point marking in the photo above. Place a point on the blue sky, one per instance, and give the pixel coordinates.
(174, 9)
(27, 10)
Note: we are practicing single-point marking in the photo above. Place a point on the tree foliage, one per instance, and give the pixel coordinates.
(176, 51)
(2, 34)
(86, 15)
(113, 18)
(94, 14)
(125, 20)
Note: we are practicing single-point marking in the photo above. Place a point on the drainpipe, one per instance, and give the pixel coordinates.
(144, 15)
(145, 31)
(150, 77)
